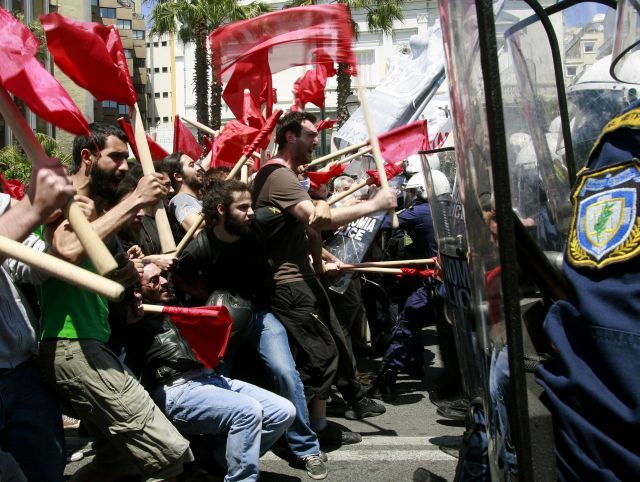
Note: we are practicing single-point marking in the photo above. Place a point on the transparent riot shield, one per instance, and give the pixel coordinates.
(511, 79)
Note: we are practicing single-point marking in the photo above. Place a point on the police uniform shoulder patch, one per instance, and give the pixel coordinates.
(605, 228)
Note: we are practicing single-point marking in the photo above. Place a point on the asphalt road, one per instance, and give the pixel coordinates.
(396, 446)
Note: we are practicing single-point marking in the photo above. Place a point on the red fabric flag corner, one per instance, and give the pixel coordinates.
(251, 114)
(253, 74)
(310, 87)
(323, 177)
(91, 54)
(398, 144)
(206, 329)
(157, 151)
(23, 76)
(392, 170)
(326, 124)
(12, 187)
(184, 141)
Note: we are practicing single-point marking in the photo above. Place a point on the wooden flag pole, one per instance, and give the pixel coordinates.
(373, 270)
(167, 243)
(95, 248)
(152, 308)
(200, 126)
(356, 155)
(351, 190)
(189, 234)
(376, 147)
(63, 270)
(338, 153)
(390, 264)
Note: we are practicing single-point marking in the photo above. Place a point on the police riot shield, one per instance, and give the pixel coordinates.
(511, 80)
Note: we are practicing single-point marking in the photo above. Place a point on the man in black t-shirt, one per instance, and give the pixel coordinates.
(226, 256)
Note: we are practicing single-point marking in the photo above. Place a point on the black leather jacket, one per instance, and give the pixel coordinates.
(156, 351)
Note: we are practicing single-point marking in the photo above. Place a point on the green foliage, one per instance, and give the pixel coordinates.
(15, 165)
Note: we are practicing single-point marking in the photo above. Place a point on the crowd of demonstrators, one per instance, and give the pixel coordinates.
(130, 377)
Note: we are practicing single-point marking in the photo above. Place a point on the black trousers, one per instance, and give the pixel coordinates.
(317, 340)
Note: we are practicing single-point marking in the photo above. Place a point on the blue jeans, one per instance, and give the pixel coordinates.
(31, 424)
(253, 418)
(269, 338)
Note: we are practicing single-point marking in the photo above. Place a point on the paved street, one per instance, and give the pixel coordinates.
(410, 436)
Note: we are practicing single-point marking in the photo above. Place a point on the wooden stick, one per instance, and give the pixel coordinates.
(356, 155)
(95, 248)
(338, 153)
(63, 270)
(187, 237)
(374, 270)
(167, 243)
(390, 264)
(200, 126)
(351, 190)
(152, 308)
(376, 148)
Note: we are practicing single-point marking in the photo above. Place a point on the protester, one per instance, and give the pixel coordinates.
(198, 401)
(30, 424)
(226, 256)
(131, 435)
(285, 217)
(187, 178)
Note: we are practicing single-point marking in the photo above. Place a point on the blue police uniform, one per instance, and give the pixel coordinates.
(592, 385)
(406, 342)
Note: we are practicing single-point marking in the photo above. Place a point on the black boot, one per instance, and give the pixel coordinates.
(384, 385)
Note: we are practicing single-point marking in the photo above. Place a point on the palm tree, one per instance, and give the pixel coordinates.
(15, 165)
(193, 20)
(380, 17)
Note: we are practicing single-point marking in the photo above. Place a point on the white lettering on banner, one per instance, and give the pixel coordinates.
(457, 281)
(356, 229)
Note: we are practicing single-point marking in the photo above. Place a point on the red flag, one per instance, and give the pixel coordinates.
(91, 54)
(310, 87)
(398, 144)
(251, 114)
(23, 76)
(231, 142)
(12, 187)
(157, 151)
(206, 329)
(208, 144)
(291, 36)
(253, 74)
(184, 141)
(392, 170)
(326, 124)
(323, 177)
(419, 273)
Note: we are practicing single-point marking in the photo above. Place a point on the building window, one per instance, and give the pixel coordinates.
(164, 44)
(157, 119)
(588, 47)
(155, 44)
(157, 95)
(94, 3)
(109, 104)
(571, 70)
(156, 69)
(165, 95)
(137, 62)
(139, 35)
(107, 12)
(123, 109)
(123, 24)
(165, 119)
(165, 70)
(367, 67)
(128, 53)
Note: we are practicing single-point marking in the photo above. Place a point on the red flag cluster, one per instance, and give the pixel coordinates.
(206, 328)
(392, 170)
(12, 187)
(419, 273)
(252, 74)
(91, 54)
(231, 142)
(23, 76)
(157, 151)
(184, 141)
